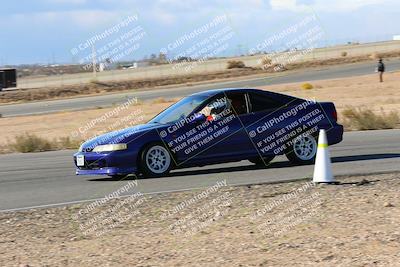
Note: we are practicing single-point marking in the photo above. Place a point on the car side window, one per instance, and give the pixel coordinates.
(260, 102)
(238, 102)
(215, 106)
(234, 101)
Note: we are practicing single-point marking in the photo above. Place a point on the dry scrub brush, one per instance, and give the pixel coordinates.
(235, 64)
(366, 119)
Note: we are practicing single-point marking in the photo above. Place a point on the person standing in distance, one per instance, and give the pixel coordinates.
(380, 68)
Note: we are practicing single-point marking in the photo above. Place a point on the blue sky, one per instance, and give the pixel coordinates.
(43, 31)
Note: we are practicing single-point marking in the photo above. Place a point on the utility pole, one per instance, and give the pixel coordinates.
(94, 61)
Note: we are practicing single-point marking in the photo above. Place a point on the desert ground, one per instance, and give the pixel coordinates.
(362, 91)
(355, 92)
(354, 53)
(60, 88)
(77, 124)
(354, 223)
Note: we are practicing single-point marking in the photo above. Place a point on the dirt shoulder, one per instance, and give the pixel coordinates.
(80, 125)
(287, 224)
(358, 91)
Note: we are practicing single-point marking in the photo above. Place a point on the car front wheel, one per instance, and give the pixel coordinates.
(156, 161)
(303, 150)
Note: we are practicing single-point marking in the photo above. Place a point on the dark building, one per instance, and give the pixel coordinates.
(8, 78)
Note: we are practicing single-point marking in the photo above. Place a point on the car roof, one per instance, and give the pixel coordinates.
(210, 93)
(226, 90)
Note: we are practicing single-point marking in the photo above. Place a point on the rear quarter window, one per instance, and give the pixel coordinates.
(260, 102)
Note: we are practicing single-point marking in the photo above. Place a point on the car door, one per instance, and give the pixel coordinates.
(263, 123)
(230, 140)
(193, 138)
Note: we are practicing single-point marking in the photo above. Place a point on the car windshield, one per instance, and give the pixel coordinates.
(179, 110)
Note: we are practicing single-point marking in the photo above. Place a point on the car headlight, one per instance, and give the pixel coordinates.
(110, 147)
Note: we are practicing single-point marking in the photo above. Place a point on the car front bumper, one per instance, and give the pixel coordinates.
(108, 163)
(106, 171)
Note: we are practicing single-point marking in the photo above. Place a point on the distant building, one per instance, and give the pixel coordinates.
(8, 78)
(102, 67)
(396, 37)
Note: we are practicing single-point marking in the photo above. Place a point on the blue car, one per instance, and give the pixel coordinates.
(210, 127)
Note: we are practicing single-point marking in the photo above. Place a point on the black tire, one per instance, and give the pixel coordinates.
(302, 153)
(155, 160)
(264, 161)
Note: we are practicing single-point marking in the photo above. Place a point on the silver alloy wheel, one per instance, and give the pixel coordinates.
(158, 159)
(305, 147)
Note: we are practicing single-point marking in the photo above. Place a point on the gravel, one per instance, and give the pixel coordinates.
(354, 223)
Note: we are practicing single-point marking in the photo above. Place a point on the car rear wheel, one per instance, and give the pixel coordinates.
(156, 161)
(303, 150)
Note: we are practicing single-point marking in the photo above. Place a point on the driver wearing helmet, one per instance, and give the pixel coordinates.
(212, 111)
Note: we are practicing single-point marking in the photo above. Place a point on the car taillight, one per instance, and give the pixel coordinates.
(334, 115)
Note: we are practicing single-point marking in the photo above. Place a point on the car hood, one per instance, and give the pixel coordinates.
(119, 136)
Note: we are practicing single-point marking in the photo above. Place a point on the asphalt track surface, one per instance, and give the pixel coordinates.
(110, 99)
(48, 179)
